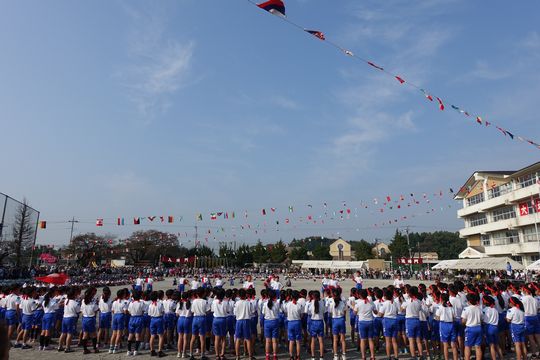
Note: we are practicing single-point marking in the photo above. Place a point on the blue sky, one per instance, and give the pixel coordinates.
(136, 108)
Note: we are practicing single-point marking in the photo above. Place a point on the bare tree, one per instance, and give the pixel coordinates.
(23, 233)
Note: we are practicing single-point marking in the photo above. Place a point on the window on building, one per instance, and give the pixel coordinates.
(534, 258)
(486, 240)
(527, 180)
(506, 237)
(504, 213)
(499, 190)
(529, 234)
(475, 199)
(519, 259)
(477, 219)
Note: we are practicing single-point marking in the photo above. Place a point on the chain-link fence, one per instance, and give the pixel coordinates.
(18, 228)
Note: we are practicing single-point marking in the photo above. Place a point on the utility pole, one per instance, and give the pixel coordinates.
(72, 221)
(409, 246)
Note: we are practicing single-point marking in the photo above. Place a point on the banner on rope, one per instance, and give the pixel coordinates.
(410, 261)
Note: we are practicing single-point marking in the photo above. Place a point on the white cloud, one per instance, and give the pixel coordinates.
(160, 66)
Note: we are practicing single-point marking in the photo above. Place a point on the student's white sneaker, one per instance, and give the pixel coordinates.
(135, 353)
(178, 355)
(343, 357)
(111, 351)
(336, 357)
(129, 353)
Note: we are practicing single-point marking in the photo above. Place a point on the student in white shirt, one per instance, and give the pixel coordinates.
(119, 311)
(69, 322)
(315, 310)
(490, 318)
(388, 311)
(294, 324)
(156, 311)
(89, 308)
(532, 323)
(270, 312)
(28, 305)
(412, 308)
(219, 323)
(248, 283)
(184, 324)
(358, 281)
(12, 302)
(516, 317)
(364, 310)
(199, 307)
(337, 310)
(105, 315)
(446, 315)
(472, 319)
(50, 306)
(136, 310)
(242, 311)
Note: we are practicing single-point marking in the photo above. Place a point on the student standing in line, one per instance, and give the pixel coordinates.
(184, 324)
(69, 322)
(337, 309)
(199, 307)
(28, 306)
(364, 310)
(156, 312)
(105, 316)
(49, 305)
(294, 325)
(516, 317)
(89, 308)
(242, 312)
(135, 326)
(316, 310)
(219, 323)
(388, 311)
(351, 304)
(446, 314)
(472, 319)
(412, 308)
(532, 324)
(490, 318)
(119, 310)
(13, 302)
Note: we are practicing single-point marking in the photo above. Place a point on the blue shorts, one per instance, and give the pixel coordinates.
(184, 324)
(27, 322)
(447, 332)
(424, 330)
(69, 325)
(198, 327)
(118, 322)
(532, 325)
(146, 320)
(271, 329)
(365, 329)
(135, 325)
(518, 332)
(294, 330)
(209, 321)
(435, 335)
(492, 334)
(358, 286)
(12, 318)
(219, 326)
(89, 324)
(473, 335)
(156, 326)
(137, 287)
(316, 328)
(59, 314)
(459, 328)
(401, 323)
(377, 326)
(169, 320)
(181, 288)
(390, 327)
(105, 320)
(352, 319)
(253, 324)
(2, 313)
(243, 329)
(48, 321)
(338, 326)
(38, 317)
(503, 324)
(412, 328)
(231, 325)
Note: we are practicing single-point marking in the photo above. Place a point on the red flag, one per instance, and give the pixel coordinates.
(523, 209)
(171, 219)
(42, 224)
(263, 211)
(441, 105)
(400, 79)
(388, 199)
(136, 221)
(479, 120)
(99, 222)
(317, 34)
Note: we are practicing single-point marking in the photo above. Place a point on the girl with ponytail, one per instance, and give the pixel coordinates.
(270, 312)
(364, 310)
(490, 318)
(516, 317)
(315, 310)
(446, 314)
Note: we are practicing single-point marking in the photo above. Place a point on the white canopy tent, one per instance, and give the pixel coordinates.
(488, 263)
(535, 266)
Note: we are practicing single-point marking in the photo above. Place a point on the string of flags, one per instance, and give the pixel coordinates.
(277, 7)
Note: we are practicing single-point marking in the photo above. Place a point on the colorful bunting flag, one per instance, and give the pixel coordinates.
(441, 105)
(120, 221)
(99, 222)
(375, 66)
(42, 224)
(317, 34)
(151, 218)
(401, 81)
(136, 221)
(276, 7)
(170, 219)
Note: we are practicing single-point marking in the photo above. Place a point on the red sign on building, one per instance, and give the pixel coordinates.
(408, 261)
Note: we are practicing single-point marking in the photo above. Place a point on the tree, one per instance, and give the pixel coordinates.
(362, 250)
(398, 247)
(23, 233)
(243, 255)
(299, 253)
(87, 248)
(321, 252)
(149, 245)
(260, 253)
(278, 253)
